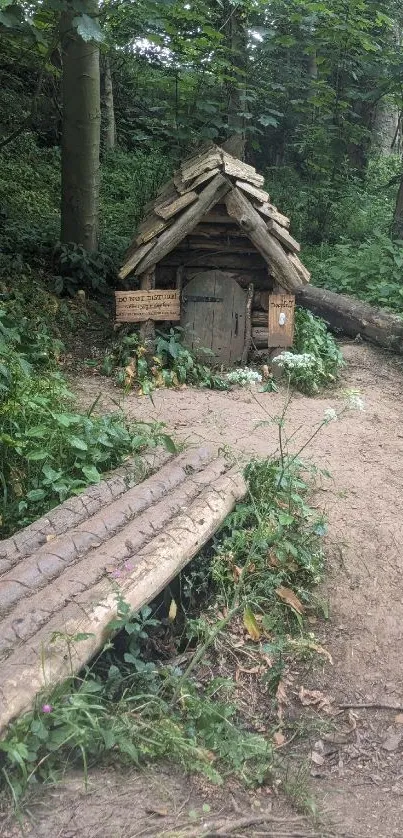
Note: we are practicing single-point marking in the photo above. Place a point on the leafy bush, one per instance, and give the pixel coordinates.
(30, 199)
(171, 366)
(273, 539)
(371, 271)
(327, 211)
(315, 359)
(49, 451)
(129, 180)
(79, 269)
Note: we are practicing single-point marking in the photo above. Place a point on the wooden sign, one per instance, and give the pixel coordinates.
(281, 320)
(138, 306)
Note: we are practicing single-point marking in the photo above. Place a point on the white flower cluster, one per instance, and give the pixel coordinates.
(330, 415)
(289, 361)
(355, 402)
(244, 376)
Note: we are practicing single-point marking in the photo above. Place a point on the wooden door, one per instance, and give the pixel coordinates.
(213, 315)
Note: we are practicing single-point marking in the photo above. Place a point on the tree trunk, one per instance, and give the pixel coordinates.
(81, 135)
(108, 107)
(385, 128)
(353, 317)
(236, 42)
(397, 224)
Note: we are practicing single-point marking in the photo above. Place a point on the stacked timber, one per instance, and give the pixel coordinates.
(216, 204)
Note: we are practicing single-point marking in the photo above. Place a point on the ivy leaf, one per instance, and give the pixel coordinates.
(88, 28)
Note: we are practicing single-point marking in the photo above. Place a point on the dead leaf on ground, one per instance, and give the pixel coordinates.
(254, 670)
(399, 719)
(312, 646)
(317, 758)
(321, 651)
(281, 694)
(272, 560)
(130, 373)
(249, 621)
(278, 738)
(151, 810)
(290, 598)
(267, 659)
(314, 698)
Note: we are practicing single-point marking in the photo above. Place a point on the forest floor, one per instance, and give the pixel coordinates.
(357, 778)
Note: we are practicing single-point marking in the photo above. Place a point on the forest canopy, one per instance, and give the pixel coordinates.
(312, 90)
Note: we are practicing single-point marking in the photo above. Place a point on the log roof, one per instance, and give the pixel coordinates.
(209, 179)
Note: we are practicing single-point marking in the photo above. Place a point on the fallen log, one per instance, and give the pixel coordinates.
(56, 624)
(353, 317)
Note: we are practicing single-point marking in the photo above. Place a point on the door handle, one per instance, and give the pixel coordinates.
(236, 325)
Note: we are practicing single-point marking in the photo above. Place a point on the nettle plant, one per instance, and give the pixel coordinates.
(315, 360)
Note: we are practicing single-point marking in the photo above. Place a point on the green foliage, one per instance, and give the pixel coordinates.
(29, 199)
(314, 362)
(172, 365)
(127, 711)
(136, 709)
(30, 211)
(347, 208)
(48, 450)
(79, 269)
(312, 338)
(273, 539)
(371, 270)
(129, 181)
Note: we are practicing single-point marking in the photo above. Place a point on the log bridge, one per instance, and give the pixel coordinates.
(62, 577)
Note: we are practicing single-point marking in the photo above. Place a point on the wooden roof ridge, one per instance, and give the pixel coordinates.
(203, 180)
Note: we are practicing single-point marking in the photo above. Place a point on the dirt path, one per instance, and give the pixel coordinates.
(363, 451)
(360, 782)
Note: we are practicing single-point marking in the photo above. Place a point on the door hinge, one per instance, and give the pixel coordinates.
(192, 298)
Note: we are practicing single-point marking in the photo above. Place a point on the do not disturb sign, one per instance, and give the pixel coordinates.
(281, 320)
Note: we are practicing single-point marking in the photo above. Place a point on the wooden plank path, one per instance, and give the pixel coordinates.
(64, 575)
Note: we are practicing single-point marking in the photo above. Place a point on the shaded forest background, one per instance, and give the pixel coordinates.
(313, 89)
(98, 103)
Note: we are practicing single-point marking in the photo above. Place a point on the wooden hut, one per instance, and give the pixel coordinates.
(215, 255)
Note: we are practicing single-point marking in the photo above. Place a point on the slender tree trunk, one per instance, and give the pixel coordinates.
(385, 128)
(108, 107)
(397, 225)
(236, 41)
(81, 135)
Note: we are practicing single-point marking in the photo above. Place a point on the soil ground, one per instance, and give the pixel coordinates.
(357, 777)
